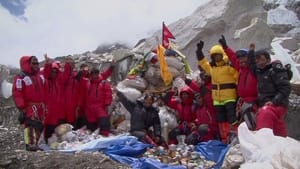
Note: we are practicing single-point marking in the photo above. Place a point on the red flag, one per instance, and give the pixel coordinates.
(166, 35)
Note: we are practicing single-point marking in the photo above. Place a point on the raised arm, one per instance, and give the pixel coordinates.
(230, 53)
(126, 103)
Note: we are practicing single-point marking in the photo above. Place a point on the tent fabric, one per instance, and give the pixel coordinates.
(213, 150)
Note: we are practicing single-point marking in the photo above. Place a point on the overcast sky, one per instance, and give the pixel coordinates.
(62, 27)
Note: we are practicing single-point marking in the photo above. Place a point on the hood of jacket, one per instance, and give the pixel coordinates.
(25, 64)
(189, 91)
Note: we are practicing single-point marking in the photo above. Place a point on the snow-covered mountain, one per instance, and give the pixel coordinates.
(269, 24)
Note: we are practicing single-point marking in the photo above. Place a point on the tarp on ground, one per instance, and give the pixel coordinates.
(213, 150)
(128, 150)
(103, 143)
(143, 163)
(130, 153)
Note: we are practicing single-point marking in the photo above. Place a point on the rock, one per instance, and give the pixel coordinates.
(250, 34)
(296, 56)
(5, 163)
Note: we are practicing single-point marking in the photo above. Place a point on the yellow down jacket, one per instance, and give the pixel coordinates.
(224, 77)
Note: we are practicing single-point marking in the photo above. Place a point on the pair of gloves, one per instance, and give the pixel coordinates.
(200, 45)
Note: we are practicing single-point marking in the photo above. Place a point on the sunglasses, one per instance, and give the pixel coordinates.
(34, 63)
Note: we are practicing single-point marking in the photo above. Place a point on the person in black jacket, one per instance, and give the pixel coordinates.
(273, 93)
(143, 117)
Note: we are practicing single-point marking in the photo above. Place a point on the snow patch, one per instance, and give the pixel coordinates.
(283, 55)
(282, 15)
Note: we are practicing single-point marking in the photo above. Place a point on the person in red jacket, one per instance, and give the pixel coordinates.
(243, 60)
(73, 88)
(183, 105)
(207, 126)
(71, 91)
(81, 79)
(204, 89)
(28, 94)
(98, 96)
(54, 96)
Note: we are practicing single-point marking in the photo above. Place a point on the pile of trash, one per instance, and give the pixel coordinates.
(180, 154)
(64, 138)
(147, 75)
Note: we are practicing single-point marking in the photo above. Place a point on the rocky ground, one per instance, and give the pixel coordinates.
(13, 154)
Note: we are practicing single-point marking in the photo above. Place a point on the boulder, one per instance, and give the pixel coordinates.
(250, 34)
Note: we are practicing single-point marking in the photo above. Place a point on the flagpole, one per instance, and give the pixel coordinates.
(162, 33)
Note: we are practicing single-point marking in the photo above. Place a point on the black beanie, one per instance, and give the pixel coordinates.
(263, 52)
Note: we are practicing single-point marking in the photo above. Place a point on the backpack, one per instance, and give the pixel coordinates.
(278, 66)
(289, 71)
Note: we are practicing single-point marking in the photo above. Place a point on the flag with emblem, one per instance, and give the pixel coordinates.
(166, 35)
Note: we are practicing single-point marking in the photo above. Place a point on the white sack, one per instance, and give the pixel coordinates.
(6, 89)
(130, 93)
(137, 83)
(166, 115)
(263, 147)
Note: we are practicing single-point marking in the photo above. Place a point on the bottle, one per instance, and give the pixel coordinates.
(166, 131)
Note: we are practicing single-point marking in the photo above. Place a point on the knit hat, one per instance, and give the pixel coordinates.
(241, 53)
(263, 52)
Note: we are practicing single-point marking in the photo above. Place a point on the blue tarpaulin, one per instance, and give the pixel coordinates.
(213, 150)
(103, 143)
(129, 153)
(128, 150)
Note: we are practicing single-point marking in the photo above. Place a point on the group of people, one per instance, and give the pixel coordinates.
(205, 111)
(244, 85)
(57, 93)
(247, 77)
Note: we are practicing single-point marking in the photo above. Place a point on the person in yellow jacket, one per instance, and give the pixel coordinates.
(224, 93)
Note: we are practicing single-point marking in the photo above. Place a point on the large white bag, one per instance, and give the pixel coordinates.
(263, 148)
(131, 94)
